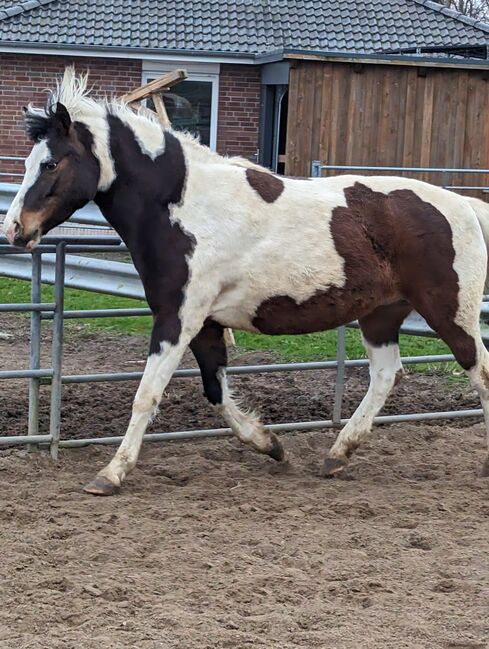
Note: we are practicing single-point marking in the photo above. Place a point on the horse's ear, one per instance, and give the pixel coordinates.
(62, 117)
(36, 125)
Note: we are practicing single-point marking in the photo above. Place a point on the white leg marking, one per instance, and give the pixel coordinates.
(479, 379)
(245, 425)
(158, 372)
(385, 363)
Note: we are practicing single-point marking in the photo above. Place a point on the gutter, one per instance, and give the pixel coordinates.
(60, 49)
(216, 56)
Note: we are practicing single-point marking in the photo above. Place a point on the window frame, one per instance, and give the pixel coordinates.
(209, 77)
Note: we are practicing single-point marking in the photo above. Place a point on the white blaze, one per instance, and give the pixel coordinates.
(39, 154)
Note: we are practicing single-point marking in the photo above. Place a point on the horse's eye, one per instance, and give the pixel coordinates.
(51, 165)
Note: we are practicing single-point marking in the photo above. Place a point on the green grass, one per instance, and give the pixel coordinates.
(311, 347)
(323, 345)
(12, 290)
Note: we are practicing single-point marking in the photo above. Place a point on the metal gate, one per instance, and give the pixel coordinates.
(100, 242)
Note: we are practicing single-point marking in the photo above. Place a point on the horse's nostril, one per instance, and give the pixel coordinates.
(20, 241)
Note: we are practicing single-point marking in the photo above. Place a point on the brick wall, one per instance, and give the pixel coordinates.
(25, 78)
(239, 110)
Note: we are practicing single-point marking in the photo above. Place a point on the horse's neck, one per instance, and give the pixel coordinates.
(143, 190)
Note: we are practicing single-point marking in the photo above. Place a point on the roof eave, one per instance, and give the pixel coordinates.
(60, 49)
(386, 59)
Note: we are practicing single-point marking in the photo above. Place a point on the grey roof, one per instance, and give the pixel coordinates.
(240, 27)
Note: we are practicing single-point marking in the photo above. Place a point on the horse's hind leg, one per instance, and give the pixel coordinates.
(380, 332)
(209, 350)
(462, 335)
(479, 378)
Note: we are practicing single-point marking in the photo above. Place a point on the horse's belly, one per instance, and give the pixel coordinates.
(323, 310)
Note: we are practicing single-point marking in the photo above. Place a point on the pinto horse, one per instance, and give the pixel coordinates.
(223, 243)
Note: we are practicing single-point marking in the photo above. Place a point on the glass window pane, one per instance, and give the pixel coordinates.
(189, 107)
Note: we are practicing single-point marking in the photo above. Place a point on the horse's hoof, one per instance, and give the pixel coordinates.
(332, 466)
(277, 450)
(485, 468)
(100, 486)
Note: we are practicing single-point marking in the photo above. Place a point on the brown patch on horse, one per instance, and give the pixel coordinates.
(269, 187)
(394, 246)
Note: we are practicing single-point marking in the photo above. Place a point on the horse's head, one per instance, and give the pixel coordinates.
(62, 175)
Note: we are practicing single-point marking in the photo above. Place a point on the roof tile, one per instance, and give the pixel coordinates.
(243, 26)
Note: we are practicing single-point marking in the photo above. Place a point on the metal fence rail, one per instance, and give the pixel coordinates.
(317, 168)
(54, 376)
(50, 264)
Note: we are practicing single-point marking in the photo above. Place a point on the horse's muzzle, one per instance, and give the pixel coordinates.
(17, 237)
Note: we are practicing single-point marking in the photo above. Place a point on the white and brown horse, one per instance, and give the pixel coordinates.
(223, 243)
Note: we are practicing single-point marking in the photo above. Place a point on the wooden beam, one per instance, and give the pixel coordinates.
(160, 109)
(157, 85)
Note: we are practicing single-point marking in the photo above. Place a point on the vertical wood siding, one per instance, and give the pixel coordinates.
(351, 114)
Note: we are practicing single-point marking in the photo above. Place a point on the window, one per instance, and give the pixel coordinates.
(192, 104)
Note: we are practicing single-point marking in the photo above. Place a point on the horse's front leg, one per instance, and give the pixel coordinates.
(163, 360)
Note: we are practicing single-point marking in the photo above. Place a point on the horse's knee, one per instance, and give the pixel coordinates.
(146, 401)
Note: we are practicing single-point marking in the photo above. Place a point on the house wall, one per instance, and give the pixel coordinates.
(239, 110)
(25, 78)
(346, 114)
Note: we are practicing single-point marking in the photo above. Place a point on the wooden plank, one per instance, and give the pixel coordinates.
(368, 137)
(157, 85)
(459, 129)
(427, 123)
(316, 114)
(342, 91)
(393, 118)
(484, 131)
(470, 120)
(384, 139)
(301, 159)
(409, 119)
(160, 109)
(324, 154)
(354, 121)
(334, 118)
(372, 142)
(292, 122)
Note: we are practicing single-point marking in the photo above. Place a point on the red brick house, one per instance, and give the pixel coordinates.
(235, 53)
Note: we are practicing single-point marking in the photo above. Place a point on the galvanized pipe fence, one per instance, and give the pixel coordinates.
(53, 376)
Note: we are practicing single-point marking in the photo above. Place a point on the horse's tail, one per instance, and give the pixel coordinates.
(481, 209)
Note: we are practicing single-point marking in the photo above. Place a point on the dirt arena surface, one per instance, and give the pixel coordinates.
(211, 546)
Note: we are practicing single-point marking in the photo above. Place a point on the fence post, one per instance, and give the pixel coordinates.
(444, 179)
(57, 349)
(316, 169)
(35, 346)
(340, 374)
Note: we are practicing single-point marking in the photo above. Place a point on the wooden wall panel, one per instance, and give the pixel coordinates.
(388, 115)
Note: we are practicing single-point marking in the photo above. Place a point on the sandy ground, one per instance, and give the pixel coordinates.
(210, 545)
